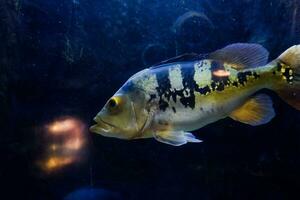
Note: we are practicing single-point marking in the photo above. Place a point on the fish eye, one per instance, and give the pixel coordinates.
(115, 103)
(112, 103)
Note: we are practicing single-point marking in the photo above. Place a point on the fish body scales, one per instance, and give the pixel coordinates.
(189, 95)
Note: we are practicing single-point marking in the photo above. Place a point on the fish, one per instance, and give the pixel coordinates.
(169, 100)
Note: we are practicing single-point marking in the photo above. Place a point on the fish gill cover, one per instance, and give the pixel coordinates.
(61, 59)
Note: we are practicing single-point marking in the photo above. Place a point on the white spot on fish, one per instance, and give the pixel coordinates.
(175, 77)
(202, 74)
(147, 81)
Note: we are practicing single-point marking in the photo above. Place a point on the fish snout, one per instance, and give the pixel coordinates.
(97, 119)
(100, 127)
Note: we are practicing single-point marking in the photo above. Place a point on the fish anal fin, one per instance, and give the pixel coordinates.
(256, 111)
(242, 55)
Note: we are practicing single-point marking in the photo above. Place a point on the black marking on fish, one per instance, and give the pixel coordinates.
(242, 77)
(188, 101)
(152, 97)
(213, 86)
(205, 90)
(189, 84)
(235, 83)
(163, 105)
(174, 109)
(279, 66)
(174, 96)
(220, 86)
(163, 89)
(287, 75)
(256, 76)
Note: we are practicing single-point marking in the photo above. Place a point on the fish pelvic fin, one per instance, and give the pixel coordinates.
(288, 66)
(256, 111)
(175, 138)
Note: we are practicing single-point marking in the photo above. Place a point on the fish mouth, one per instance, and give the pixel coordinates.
(101, 126)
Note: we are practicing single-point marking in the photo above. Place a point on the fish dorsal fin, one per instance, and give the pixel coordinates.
(181, 58)
(256, 111)
(242, 55)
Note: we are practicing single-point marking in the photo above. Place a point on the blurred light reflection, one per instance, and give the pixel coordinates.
(57, 162)
(65, 139)
(62, 126)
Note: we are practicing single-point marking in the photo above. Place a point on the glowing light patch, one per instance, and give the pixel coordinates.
(53, 147)
(65, 141)
(59, 127)
(74, 144)
(57, 162)
(221, 73)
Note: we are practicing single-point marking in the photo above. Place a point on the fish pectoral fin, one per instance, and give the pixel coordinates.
(256, 111)
(242, 55)
(175, 138)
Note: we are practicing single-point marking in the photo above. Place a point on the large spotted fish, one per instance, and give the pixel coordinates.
(190, 91)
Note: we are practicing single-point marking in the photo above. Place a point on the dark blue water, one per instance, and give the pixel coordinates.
(61, 60)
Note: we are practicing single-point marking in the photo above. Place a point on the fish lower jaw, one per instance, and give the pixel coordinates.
(99, 129)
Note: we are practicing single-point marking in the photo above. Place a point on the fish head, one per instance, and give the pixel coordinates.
(124, 116)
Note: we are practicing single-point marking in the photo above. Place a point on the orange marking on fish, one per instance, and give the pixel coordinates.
(221, 73)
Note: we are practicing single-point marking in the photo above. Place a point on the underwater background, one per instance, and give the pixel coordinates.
(61, 60)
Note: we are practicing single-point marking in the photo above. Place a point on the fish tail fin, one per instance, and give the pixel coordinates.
(288, 66)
